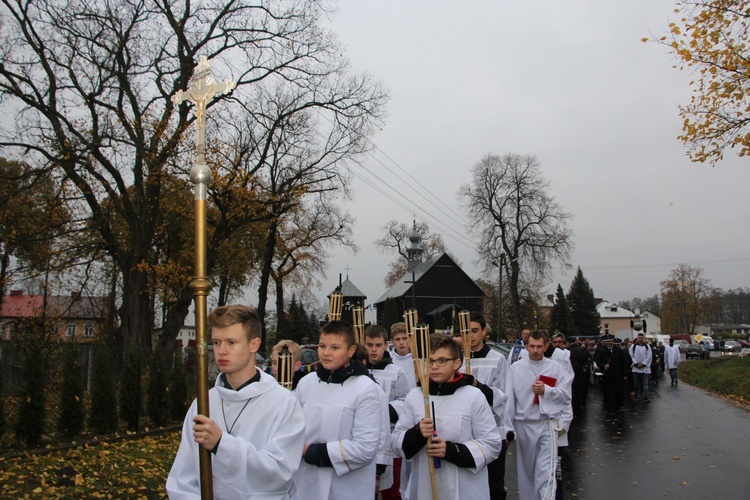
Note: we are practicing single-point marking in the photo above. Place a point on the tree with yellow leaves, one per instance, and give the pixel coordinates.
(686, 298)
(711, 40)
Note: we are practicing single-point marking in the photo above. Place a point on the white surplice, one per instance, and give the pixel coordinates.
(671, 357)
(536, 426)
(347, 417)
(462, 417)
(492, 371)
(406, 363)
(258, 458)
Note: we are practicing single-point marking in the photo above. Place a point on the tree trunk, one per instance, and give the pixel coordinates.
(515, 301)
(4, 263)
(265, 275)
(176, 315)
(135, 312)
(280, 314)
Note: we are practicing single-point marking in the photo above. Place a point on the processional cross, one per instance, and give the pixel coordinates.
(202, 91)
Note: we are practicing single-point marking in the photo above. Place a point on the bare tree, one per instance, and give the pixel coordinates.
(516, 216)
(89, 85)
(396, 238)
(304, 240)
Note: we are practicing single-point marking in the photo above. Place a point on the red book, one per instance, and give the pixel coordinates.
(547, 381)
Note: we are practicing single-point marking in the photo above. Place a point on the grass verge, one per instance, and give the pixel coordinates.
(729, 376)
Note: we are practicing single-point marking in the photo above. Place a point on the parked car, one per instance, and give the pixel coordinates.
(260, 362)
(503, 348)
(697, 351)
(732, 346)
(744, 343)
(309, 356)
(682, 344)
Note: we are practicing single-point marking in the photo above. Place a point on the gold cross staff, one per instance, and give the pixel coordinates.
(202, 91)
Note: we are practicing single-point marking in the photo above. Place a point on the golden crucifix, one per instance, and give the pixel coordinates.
(202, 91)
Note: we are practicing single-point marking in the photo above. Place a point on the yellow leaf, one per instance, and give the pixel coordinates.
(675, 458)
(37, 490)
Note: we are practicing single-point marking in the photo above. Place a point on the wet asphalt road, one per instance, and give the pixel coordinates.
(685, 443)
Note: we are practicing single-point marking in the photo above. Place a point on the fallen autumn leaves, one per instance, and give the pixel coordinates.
(126, 469)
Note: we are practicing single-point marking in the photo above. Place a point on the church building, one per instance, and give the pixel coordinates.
(435, 286)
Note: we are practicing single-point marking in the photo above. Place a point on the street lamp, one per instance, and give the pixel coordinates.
(499, 294)
(637, 325)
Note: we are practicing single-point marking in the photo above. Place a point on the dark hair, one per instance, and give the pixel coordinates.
(476, 317)
(440, 340)
(376, 332)
(226, 316)
(339, 328)
(540, 335)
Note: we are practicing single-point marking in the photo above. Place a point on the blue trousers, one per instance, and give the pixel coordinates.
(640, 384)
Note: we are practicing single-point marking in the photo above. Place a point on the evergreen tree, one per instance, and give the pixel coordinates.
(103, 410)
(30, 421)
(313, 328)
(390, 313)
(582, 304)
(130, 388)
(562, 317)
(178, 388)
(437, 323)
(71, 418)
(297, 325)
(158, 407)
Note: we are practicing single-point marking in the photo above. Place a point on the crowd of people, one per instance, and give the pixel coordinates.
(361, 426)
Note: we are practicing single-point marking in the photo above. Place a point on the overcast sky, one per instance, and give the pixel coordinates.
(569, 82)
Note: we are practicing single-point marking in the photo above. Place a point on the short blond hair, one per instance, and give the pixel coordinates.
(226, 316)
(293, 347)
(399, 327)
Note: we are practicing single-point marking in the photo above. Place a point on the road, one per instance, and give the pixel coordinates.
(686, 443)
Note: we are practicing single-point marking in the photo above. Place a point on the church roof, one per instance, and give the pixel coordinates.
(400, 288)
(348, 289)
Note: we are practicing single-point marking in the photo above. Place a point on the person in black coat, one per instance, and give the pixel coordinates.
(580, 359)
(612, 365)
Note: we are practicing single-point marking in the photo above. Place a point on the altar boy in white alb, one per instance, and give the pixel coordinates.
(467, 435)
(538, 390)
(343, 422)
(489, 369)
(257, 429)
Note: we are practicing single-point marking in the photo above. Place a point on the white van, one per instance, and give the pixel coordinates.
(664, 339)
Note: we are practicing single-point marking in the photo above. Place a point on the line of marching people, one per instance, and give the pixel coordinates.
(359, 426)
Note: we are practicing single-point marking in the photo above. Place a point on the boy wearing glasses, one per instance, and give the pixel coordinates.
(468, 438)
(344, 414)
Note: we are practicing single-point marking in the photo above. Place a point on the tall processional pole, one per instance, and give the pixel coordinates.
(203, 89)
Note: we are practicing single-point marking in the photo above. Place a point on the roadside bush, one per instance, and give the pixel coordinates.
(30, 423)
(158, 404)
(2, 406)
(71, 417)
(103, 410)
(130, 388)
(178, 389)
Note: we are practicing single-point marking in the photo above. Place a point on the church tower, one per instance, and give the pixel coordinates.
(414, 252)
